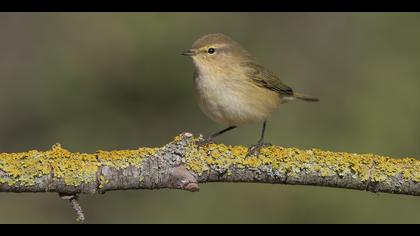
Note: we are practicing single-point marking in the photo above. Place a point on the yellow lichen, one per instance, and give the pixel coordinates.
(124, 158)
(76, 168)
(72, 167)
(102, 181)
(293, 161)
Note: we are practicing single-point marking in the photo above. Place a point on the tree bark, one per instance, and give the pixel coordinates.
(181, 164)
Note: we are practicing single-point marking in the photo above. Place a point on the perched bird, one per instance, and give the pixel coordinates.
(232, 88)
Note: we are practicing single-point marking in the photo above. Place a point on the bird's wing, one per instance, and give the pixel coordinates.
(267, 79)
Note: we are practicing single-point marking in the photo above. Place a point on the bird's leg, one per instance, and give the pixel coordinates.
(255, 149)
(211, 137)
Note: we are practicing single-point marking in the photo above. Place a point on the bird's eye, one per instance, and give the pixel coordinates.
(211, 50)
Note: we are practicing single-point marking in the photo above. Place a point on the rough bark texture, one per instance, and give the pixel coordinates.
(182, 165)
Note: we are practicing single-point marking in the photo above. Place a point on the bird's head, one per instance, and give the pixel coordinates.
(216, 51)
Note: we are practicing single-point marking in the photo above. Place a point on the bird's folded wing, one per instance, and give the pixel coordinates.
(267, 79)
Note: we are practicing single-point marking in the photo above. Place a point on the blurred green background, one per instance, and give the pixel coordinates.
(117, 81)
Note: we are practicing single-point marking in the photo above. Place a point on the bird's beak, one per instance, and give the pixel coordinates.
(189, 52)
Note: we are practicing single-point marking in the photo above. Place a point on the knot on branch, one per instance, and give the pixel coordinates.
(168, 166)
(181, 178)
(164, 168)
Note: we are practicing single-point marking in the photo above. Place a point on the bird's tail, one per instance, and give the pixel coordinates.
(304, 97)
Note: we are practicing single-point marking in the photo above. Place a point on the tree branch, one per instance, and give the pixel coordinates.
(182, 165)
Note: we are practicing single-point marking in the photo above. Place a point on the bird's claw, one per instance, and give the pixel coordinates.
(204, 141)
(254, 150)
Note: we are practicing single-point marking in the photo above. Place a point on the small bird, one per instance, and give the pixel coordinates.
(233, 89)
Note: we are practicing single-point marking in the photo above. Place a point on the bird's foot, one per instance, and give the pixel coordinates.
(204, 141)
(254, 150)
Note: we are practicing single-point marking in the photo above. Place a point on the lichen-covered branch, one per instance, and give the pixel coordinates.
(182, 165)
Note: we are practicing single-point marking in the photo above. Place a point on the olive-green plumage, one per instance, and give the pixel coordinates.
(269, 80)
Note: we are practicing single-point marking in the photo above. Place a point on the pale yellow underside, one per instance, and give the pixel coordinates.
(233, 100)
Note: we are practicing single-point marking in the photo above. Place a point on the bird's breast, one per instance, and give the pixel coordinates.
(233, 100)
